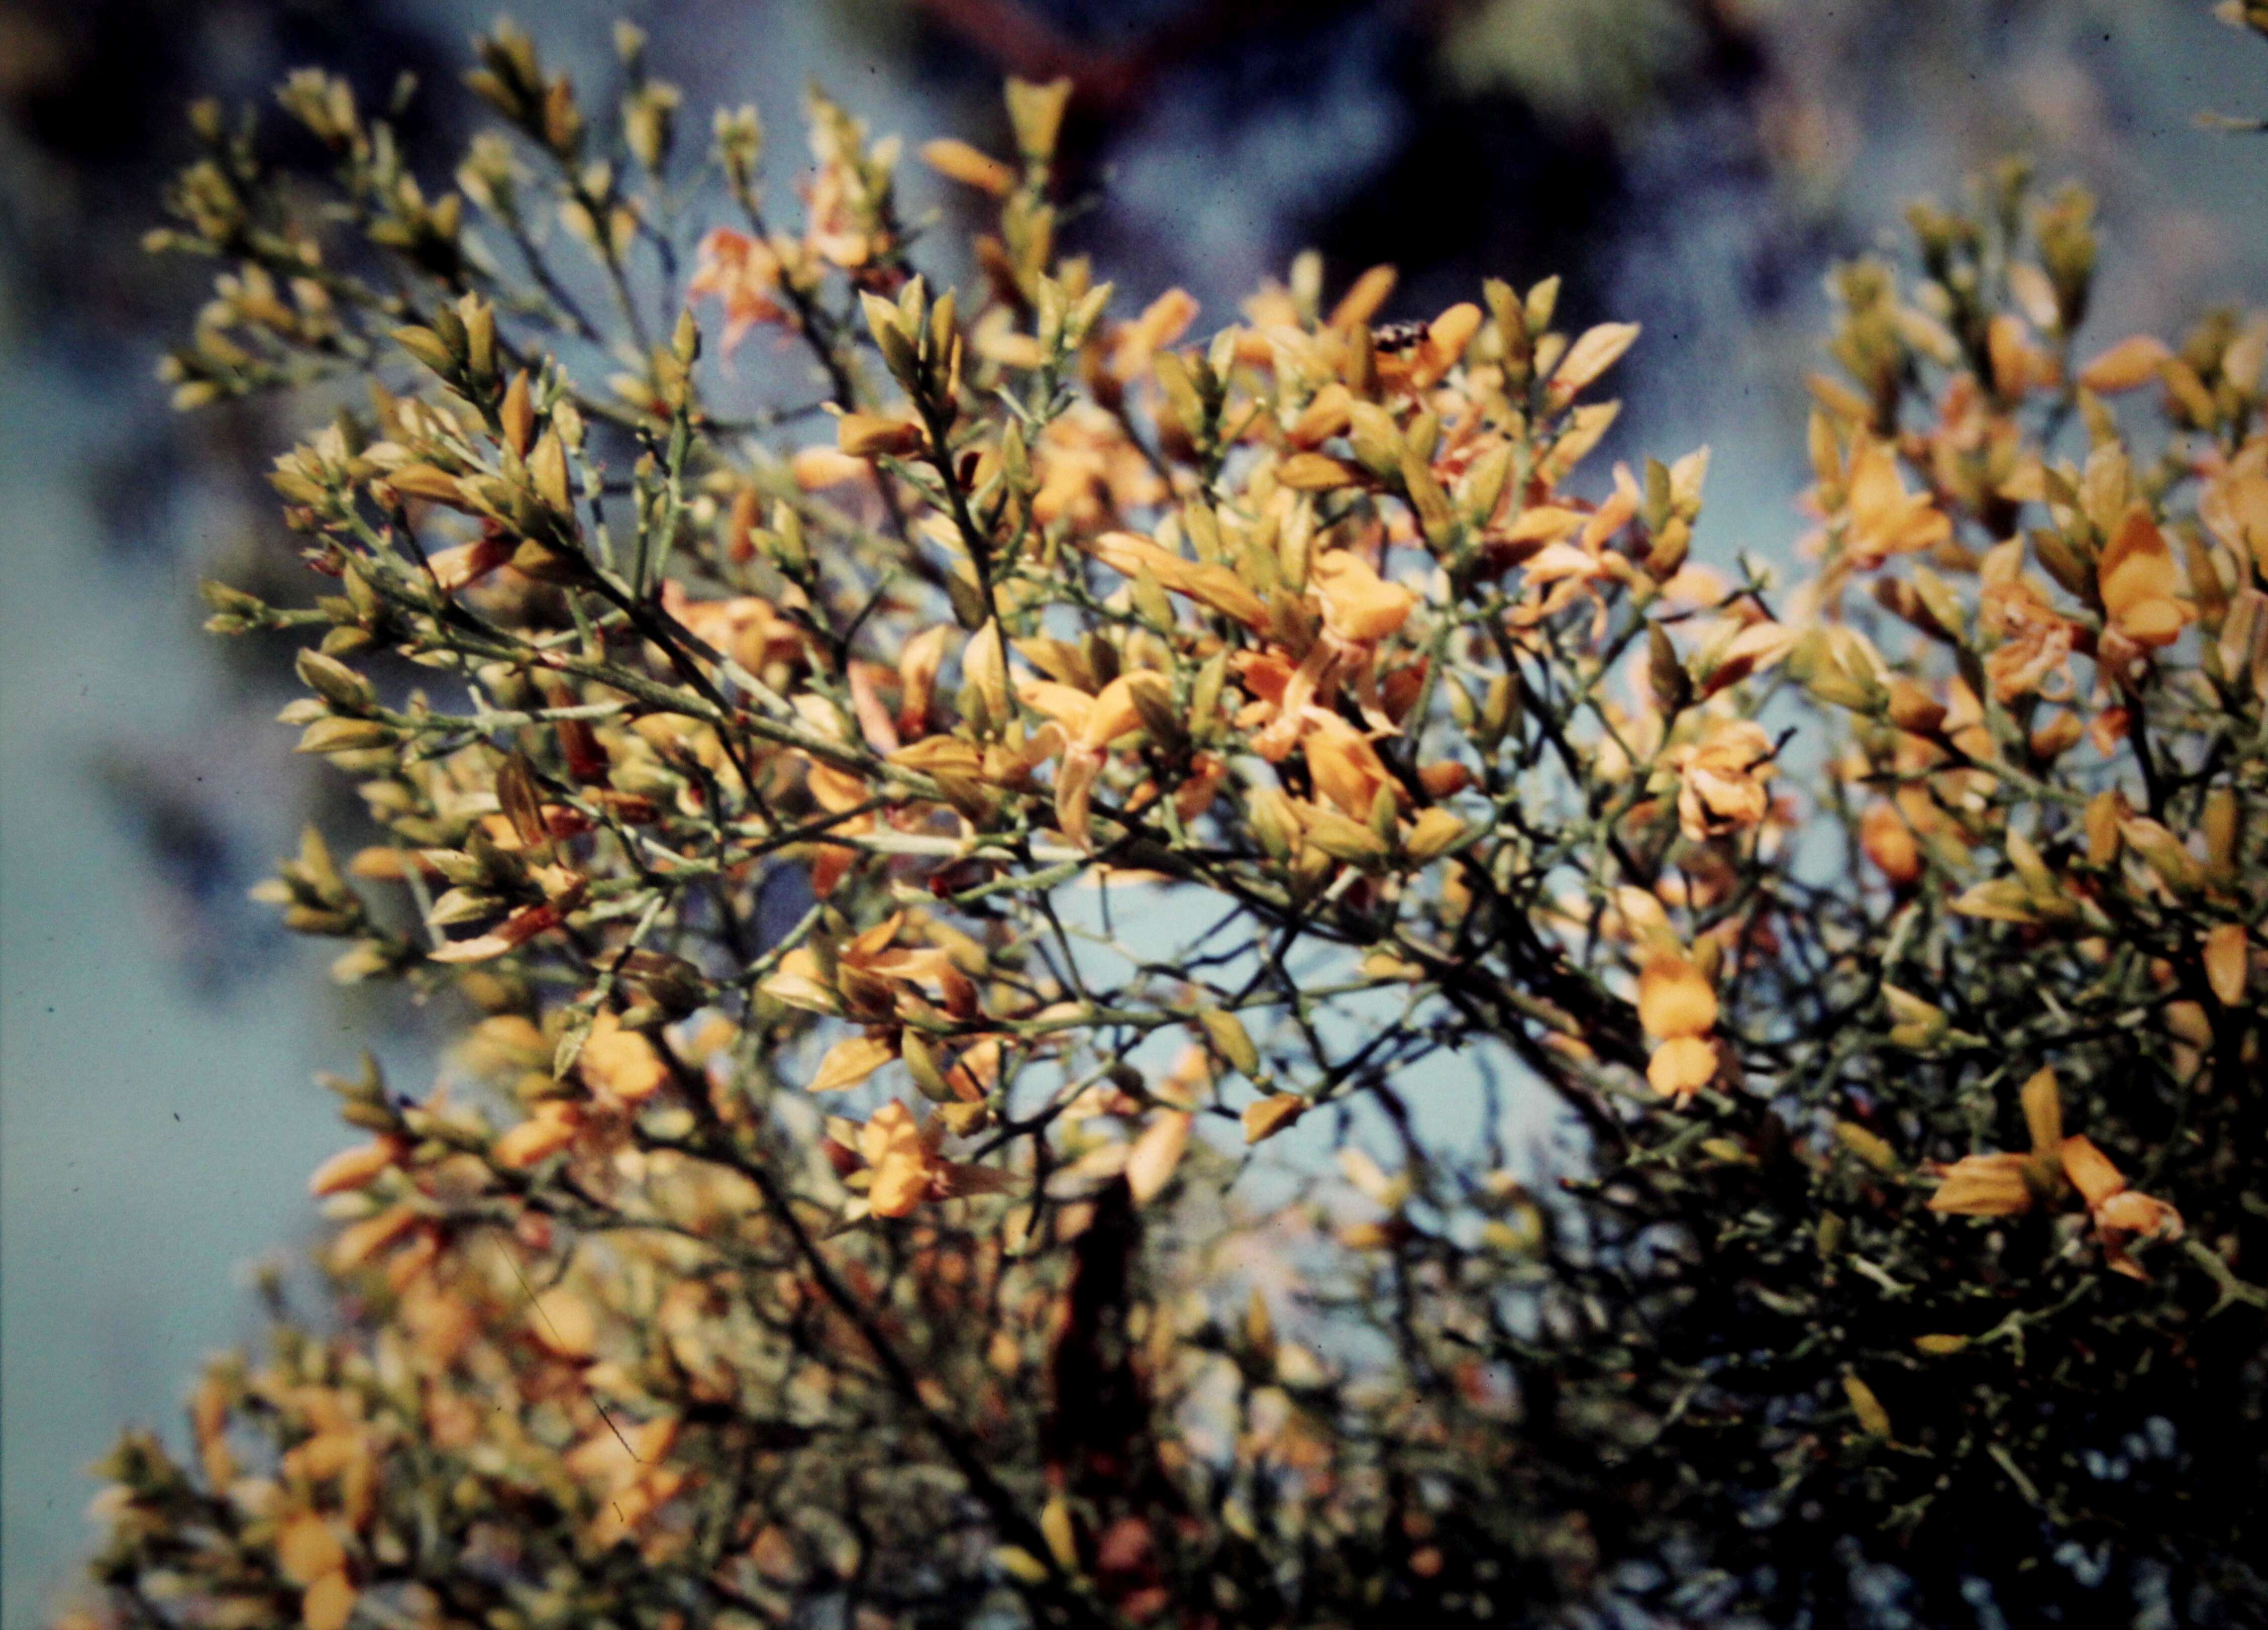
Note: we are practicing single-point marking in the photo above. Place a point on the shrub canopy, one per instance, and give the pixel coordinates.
(1106, 980)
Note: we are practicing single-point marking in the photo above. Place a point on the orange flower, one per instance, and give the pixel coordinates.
(2140, 583)
(867, 976)
(902, 1155)
(1720, 778)
(2235, 506)
(1345, 765)
(971, 166)
(1447, 336)
(1984, 1185)
(328, 1602)
(1285, 697)
(1359, 605)
(551, 1128)
(1091, 724)
(620, 1064)
(515, 931)
(743, 272)
(879, 435)
(1677, 1008)
(850, 1061)
(747, 628)
(1214, 586)
(356, 1167)
(454, 568)
(2035, 640)
(1116, 712)
(307, 1547)
(1089, 471)
(2019, 365)
(2132, 362)
(1593, 352)
(2120, 1213)
(2007, 1186)
(2227, 963)
(1163, 321)
(1150, 1162)
(1890, 843)
(847, 224)
(1886, 520)
(1361, 302)
(1673, 999)
(1681, 1065)
(2090, 1171)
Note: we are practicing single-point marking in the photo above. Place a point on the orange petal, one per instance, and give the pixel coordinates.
(328, 1602)
(307, 1547)
(1358, 603)
(851, 1060)
(1984, 1185)
(1598, 350)
(2090, 1171)
(1681, 1065)
(352, 1168)
(957, 160)
(1266, 1116)
(2133, 1212)
(1673, 999)
(2132, 362)
(2227, 961)
(1156, 1153)
(537, 1139)
(620, 1063)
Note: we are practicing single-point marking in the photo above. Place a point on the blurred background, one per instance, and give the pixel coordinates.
(1694, 164)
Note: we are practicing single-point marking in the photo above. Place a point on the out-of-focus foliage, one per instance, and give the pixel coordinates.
(1001, 867)
(2253, 19)
(1591, 60)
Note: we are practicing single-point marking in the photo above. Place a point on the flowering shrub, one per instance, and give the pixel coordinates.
(1010, 921)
